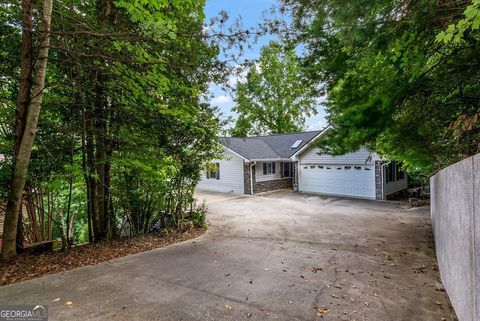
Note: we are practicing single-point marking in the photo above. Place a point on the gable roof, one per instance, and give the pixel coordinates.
(273, 147)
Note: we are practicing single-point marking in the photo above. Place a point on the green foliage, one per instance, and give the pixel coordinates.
(275, 98)
(198, 216)
(138, 75)
(455, 32)
(397, 79)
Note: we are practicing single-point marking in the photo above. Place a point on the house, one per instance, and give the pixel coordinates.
(252, 165)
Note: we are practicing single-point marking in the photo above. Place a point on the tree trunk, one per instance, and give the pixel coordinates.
(25, 149)
(90, 170)
(23, 92)
(100, 228)
(25, 74)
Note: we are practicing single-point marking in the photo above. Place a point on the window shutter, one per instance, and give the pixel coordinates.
(264, 168)
(273, 168)
(218, 170)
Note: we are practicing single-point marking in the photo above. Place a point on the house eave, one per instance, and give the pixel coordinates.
(307, 145)
(235, 153)
(272, 160)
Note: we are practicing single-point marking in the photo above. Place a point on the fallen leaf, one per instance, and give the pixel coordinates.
(56, 300)
(227, 307)
(321, 310)
(68, 303)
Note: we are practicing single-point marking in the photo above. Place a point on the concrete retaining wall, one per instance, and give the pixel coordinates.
(455, 210)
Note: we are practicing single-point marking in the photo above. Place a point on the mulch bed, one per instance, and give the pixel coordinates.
(28, 266)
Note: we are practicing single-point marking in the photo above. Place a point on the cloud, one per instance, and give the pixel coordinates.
(221, 100)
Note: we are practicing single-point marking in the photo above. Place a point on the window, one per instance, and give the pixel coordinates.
(320, 167)
(312, 166)
(358, 168)
(394, 172)
(269, 168)
(339, 168)
(286, 169)
(348, 167)
(391, 172)
(367, 169)
(296, 144)
(213, 171)
(329, 167)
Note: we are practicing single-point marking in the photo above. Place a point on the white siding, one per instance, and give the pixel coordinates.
(346, 180)
(363, 157)
(231, 175)
(260, 177)
(393, 187)
(352, 174)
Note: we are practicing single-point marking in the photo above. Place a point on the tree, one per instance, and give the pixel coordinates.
(275, 97)
(123, 131)
(27, 120)
(392, 83)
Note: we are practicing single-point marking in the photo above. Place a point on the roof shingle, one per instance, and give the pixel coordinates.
(268, 147)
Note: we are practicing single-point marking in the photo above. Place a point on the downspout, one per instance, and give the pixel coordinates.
(251, 176)
(383, 178)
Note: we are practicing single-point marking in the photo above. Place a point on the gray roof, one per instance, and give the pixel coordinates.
(268, 147)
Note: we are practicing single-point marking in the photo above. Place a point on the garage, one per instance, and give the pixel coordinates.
(338, 179)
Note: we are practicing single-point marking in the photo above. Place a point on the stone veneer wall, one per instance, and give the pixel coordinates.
(265, 186)
(378, 180)
(246, 178)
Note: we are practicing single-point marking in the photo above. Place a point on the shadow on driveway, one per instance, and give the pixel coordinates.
(279, 256)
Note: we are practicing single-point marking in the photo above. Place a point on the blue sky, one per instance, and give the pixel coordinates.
(250, 12)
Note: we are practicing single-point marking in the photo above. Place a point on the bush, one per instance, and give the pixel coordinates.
(198, 216)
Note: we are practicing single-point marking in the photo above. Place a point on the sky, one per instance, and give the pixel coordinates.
(250, 12)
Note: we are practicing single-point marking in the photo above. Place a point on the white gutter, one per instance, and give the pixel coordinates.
(251, 176)
(310, 142)
(383, 178)
(272, 160)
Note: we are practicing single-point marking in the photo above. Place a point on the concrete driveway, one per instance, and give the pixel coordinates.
(281, 256)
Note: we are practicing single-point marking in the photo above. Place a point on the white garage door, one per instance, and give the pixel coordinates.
(349, 180)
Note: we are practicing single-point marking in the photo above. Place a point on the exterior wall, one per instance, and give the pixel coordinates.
(388, 188)
(268, 177)
(378, 180)
(363, 157)
(269, 185)
(455, 211)
(266, 186)
(246, 179)
(231, 175)
(394, 187)
(295, 176)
